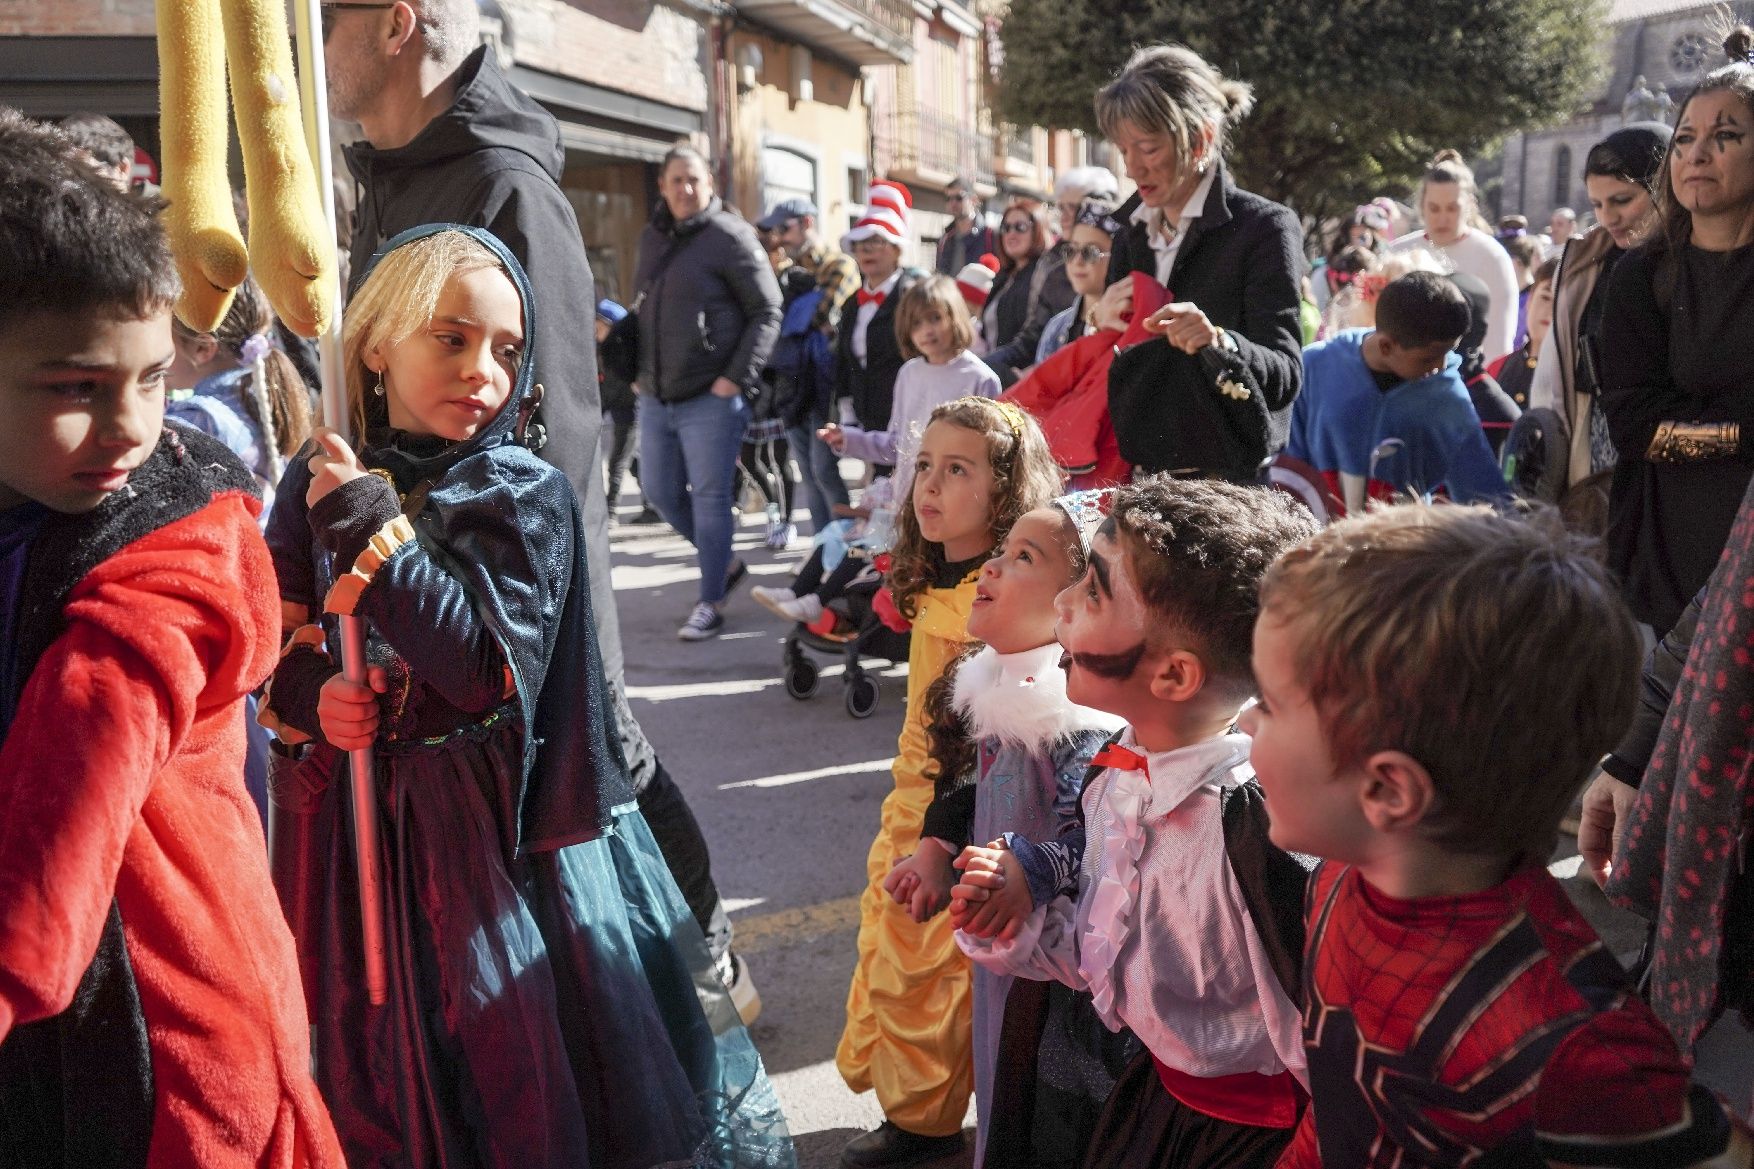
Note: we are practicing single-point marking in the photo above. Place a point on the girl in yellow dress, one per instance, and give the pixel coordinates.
(981, 465)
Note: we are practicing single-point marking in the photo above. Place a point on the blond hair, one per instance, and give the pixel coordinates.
(1493, 649)
(933, 296)
(1170, 89)
(397, 300)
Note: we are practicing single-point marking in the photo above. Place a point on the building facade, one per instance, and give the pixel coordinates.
(1658, 50)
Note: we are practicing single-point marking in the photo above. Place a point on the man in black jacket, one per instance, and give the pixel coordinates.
(449, 140)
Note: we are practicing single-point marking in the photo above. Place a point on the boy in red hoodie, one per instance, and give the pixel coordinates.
(150, 1007)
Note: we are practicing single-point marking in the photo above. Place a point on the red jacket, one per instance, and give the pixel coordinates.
(121, 778)
(1068, 395)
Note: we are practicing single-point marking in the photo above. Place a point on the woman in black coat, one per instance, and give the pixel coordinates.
(1030, 287)
(1216, 397)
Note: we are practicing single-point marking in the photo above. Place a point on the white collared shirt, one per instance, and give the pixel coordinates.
(1152, 218)
(862, 321)
(1160, 934)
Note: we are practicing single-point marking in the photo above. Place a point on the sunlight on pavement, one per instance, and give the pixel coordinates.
(876, 765)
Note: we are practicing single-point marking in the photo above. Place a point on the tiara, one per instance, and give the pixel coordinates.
(1087, 511)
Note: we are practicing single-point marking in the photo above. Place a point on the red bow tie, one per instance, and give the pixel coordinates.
(866, 298)
(1121, 759)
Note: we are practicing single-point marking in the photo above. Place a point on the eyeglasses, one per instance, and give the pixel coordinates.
(1017, 226)
(327, 13)
(1089, 254)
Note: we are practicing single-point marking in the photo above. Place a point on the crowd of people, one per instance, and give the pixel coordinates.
(1261, 636)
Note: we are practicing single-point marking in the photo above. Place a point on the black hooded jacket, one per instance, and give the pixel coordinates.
(493, 160)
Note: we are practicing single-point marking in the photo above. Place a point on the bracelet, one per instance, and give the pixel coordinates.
(1694, 442)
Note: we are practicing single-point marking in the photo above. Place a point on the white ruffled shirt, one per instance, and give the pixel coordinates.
(1159, 934)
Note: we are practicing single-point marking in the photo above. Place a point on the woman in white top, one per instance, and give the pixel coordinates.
(1449, 204)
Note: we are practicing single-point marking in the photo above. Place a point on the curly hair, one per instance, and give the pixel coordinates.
(1199, 549)
(1025, 477)
(951, 751)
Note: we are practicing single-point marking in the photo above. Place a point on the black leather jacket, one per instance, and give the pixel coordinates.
(1662, 673)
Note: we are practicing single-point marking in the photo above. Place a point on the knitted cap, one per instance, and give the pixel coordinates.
(888, 213)
(975, 281)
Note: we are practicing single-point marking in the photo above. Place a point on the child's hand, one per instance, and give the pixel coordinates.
(332, 465)
(901, 881)
(993, 893)
(834, 436)
(348, 711)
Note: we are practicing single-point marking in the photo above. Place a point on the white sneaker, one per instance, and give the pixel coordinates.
(734, 972)
(805, 609)
(772, 599)
(703, 623)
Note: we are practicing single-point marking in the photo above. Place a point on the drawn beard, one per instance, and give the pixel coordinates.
(1116, 667)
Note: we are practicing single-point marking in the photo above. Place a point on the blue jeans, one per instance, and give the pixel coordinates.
(819, 468)
(688, 467)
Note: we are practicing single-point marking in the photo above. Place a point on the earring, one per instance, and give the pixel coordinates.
(379, 388)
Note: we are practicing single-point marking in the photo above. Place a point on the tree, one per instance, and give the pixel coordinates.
(1352, 96)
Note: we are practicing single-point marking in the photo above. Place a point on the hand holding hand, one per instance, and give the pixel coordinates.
(834, 437)
(1183, 325)
(348, 711)
(993, 892)
(332, 465)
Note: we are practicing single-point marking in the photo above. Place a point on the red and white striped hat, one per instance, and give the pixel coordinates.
(888, 206)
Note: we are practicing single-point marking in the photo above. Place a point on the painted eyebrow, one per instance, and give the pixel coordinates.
(102, 366)
(1099, 569)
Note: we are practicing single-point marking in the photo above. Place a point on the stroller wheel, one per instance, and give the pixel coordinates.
(862, 695)
(801, 678)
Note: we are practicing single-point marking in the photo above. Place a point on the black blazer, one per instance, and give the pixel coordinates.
(1241, 263)
(871, 386)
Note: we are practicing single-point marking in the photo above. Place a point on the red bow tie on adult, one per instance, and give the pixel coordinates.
(866, 298)
(1121, 759)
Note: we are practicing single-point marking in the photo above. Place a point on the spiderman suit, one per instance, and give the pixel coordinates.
(1489, 1030)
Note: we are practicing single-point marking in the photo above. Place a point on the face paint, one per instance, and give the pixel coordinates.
(1117, 667)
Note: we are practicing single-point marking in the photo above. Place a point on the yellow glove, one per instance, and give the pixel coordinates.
(292, 252)
(203, 228)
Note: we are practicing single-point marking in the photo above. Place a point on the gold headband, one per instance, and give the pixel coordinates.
(1014, 417)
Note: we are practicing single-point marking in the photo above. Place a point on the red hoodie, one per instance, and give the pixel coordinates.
(1068, 395)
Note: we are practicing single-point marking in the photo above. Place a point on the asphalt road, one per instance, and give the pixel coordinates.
(788, 794)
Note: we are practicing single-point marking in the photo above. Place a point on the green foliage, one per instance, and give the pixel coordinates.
(1352, 96)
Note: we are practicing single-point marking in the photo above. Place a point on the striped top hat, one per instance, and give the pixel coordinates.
(888, 208)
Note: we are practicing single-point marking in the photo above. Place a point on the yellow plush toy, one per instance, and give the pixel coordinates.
(291, 250)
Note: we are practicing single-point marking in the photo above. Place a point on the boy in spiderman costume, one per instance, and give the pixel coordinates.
(1427, 712)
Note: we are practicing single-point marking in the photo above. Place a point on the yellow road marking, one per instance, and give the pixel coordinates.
(786, 926)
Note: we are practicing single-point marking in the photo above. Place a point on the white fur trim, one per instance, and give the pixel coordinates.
(1020, 699)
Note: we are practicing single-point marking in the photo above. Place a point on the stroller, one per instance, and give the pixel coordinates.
(869, 638)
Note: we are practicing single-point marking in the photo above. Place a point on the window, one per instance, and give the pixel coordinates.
(787, 174)
(1562, 176)
(1690, 52)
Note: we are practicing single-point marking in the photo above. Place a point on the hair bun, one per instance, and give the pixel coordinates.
(1448, 154)
(1739, 45)
(1239, 99)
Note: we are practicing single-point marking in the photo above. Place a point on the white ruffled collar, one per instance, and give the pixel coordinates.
(1020, 699)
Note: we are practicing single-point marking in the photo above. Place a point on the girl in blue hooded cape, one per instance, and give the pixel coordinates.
(551, 999)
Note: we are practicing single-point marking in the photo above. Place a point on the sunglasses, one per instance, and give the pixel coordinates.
(1017, 226)
(1089, 253)
(327, 13)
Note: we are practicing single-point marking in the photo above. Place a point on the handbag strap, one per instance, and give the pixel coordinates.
(676, 245)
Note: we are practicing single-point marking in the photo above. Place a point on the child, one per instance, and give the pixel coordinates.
(934, 330)
(245, 392)
(1183, 921)
(1492, 406)
(1515, 372)
(1458, 1009)
(543, 968)
(620, 419)
(1031, 743)
(980, 466)
(1087, 251)
(149, 1005)
(1384, 411)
